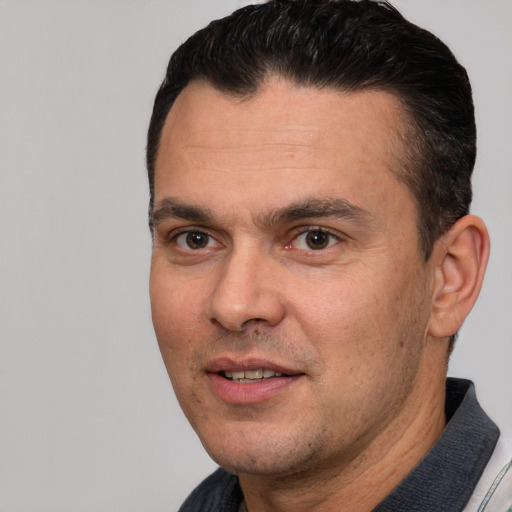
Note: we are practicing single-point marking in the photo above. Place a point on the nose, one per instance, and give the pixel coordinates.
(246, 291)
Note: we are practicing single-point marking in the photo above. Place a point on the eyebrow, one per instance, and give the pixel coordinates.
(313, 208)
(171, 208)
(309, 208)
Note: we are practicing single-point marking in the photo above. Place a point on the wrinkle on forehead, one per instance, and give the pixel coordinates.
(243, 148)
(292, 136)
(285, 115)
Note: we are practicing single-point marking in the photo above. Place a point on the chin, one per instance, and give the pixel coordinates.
(257, 465)
(262, 454)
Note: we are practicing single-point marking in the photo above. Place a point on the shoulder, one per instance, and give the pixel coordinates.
(493, 492)
(219, 492)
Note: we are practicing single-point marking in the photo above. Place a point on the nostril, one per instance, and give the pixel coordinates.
(254, 324)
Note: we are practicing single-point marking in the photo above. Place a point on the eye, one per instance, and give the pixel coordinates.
(194, 240)
(315, 239)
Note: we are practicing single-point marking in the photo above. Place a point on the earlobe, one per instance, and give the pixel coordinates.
(461, 258)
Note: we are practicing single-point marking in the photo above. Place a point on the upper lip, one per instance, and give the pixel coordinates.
(221, 364)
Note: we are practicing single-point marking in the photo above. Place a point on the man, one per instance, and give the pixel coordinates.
(314, 257)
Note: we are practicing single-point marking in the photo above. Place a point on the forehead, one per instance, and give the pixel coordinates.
(283, 114)
(301, 139)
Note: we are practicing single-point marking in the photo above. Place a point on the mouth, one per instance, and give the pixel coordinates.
(250, 382)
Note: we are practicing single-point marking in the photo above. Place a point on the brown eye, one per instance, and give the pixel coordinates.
(317, 239)
(194, 240)
(197, 240)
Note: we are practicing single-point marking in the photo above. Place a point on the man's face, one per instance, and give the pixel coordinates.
(289, 295)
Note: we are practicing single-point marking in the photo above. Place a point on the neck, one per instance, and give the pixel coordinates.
(363, 482)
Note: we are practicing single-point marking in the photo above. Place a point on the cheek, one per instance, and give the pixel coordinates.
(359, 322)
(338, 308)
(174, 312)
(368, 337)
(174, 291)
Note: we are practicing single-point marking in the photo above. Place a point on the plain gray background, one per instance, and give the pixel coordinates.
(88, 420)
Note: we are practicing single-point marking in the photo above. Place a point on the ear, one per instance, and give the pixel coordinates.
(460, 258)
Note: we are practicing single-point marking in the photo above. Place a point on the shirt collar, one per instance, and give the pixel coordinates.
(447, 475)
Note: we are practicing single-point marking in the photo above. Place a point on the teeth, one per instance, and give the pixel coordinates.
(254, 374)
(249, 375)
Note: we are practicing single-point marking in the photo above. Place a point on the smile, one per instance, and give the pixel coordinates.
(249, 381)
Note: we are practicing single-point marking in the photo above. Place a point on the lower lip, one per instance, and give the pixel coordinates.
(241, 393)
